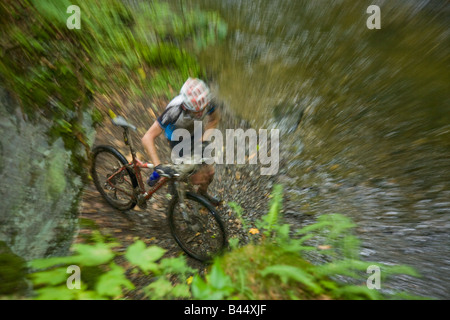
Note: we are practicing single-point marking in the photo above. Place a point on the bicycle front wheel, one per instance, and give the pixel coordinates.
(113, 180)
(197, 227)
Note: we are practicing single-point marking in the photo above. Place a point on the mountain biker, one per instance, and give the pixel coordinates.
(192, 104)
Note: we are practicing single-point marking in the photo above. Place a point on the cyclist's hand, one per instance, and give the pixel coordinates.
(166, 171)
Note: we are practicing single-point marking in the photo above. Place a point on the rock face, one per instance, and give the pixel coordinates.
(38, 190)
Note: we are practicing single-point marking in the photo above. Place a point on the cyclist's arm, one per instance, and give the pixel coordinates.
(148, 140)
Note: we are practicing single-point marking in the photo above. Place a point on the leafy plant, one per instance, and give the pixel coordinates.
(270, 221)
(287, 273)
(330, 243)
(239, 212)
(109, 280)
(277, 267)
(216, 286)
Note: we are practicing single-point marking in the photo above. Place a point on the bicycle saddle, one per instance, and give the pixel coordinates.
(121, 122)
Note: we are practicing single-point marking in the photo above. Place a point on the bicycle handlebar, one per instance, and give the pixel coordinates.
(186, 168)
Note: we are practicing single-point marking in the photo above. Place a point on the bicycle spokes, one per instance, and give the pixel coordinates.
(197, 229)
(114, 179)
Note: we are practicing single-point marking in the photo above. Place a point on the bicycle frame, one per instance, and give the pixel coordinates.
(204, 235)
(140, 193)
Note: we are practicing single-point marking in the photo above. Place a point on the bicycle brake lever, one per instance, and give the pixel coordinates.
(163, 174)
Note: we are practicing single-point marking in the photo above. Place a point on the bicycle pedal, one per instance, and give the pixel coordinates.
(141, 202)
(142, 205)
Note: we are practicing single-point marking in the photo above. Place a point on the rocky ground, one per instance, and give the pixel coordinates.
(242, 184)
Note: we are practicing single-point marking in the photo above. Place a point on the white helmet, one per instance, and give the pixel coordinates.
(196, 94)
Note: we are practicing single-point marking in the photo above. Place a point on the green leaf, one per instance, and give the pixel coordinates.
(313, 227)
(343, 267)
(94, 255)
(217, 286)
(55, 261)
(143, 257)
(56, 293)
(287, 273)
(233, 242)
(239, 212)
(51, 277)
(111, 283)
(176, 265)
(283, 232)
(357, 292)
(271, 218)
(217, 277)
(161, 288)
(400, 269)
(181, 291)
(295, 246)
(199, 288)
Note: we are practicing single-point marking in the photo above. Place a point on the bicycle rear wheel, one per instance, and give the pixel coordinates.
(197, 228)
(112, 179)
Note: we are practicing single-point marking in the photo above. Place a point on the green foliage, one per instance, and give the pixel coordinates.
(276, 267)
(239, 212)
(270, 220)
(103, 278)
(144, 257)
(88, 255)
(111, 283)
(216, 286)
(287, 273)
(330, 243)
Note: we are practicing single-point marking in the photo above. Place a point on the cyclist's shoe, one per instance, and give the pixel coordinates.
(152, 181)
(214, 201)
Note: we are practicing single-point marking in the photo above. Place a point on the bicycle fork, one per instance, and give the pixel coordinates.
(181, 192)
(191, 219)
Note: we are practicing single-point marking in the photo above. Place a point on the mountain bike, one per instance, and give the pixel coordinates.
(194, 222)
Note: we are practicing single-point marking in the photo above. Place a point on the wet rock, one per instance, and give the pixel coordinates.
(40, 190)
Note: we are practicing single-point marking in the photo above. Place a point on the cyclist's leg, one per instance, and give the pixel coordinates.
(203, 178)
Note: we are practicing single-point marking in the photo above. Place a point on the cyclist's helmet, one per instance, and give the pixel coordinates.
(196, 95)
